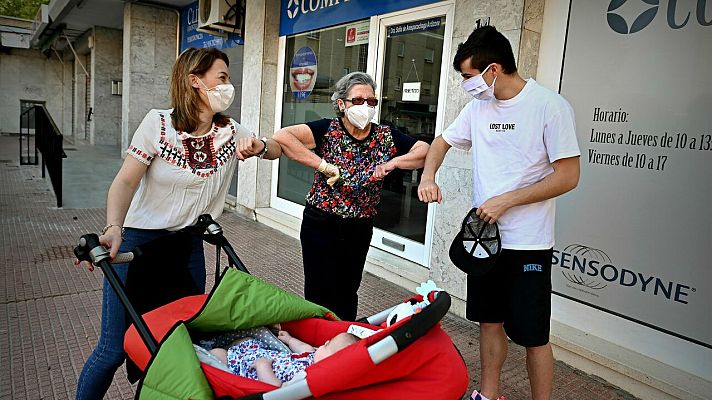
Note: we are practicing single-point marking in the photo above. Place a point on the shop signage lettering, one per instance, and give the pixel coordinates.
(416, 26)
(298, 16)
(590, 270)
(295, 7)
(675, 19)
(191, 37)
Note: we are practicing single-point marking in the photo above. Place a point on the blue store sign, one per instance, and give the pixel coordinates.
(305, 15)
(190, 37)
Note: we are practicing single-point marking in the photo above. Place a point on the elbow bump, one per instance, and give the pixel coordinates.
(573, 183)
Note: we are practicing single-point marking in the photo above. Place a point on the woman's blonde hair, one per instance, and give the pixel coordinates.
(185, 99)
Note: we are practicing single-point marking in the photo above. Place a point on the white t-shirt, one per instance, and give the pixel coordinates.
(513, 145)
(187, 176)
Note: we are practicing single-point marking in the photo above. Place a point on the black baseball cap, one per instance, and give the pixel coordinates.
(476, 247)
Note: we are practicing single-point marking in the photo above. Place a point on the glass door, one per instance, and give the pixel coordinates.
(311, 65)
(413, 57)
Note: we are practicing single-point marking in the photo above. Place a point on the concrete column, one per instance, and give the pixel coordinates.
(258, 93)
(106, 66)
(533, 23)
(149, 51)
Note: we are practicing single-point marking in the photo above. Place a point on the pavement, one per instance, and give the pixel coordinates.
(50, 310)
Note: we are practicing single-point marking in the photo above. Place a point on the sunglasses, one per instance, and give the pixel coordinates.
(357, 101)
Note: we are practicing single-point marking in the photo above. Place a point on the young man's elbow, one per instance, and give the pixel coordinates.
(572, 181)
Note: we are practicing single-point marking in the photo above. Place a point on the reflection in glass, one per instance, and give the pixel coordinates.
(410, 58)
(334, 59)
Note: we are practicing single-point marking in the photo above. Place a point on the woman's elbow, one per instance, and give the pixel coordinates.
(280, 137)
(423, 149)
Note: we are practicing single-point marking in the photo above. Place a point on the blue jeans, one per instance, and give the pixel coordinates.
(98, 371)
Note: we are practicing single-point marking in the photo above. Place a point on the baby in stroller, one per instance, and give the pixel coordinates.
(250, 358)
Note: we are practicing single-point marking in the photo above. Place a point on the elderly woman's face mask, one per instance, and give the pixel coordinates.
(361, 112)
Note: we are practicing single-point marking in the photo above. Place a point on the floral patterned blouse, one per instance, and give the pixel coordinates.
(356, 194)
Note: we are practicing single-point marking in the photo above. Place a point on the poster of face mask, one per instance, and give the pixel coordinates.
(635, 237)
(302, 73)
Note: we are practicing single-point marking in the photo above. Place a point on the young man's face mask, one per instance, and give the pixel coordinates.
(478, 88)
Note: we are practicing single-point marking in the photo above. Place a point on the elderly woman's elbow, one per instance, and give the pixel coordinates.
(422, 152)
(280, 136)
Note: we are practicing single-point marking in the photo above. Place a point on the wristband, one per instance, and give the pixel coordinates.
(264, 150)
(106, 228)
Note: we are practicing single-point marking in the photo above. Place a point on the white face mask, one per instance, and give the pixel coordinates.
(220, 97)
(477, 87)
(360, 115)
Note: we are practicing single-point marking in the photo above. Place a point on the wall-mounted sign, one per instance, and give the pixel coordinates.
(634, 238)
(302, 73)
(357, 34)
(415, 26)
(191, 37)
(298, 16)
(411, 91)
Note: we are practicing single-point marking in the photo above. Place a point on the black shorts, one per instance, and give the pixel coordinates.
(516, 292)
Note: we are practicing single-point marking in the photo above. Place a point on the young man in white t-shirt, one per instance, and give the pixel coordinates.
(524, 153)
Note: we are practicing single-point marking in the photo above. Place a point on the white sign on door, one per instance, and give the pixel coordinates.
(411, 91)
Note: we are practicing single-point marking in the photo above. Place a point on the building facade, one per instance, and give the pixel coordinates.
(618, 311)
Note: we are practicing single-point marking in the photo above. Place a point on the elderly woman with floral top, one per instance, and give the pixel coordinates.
(351, 155)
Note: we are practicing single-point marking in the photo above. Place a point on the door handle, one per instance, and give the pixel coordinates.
(393, 244)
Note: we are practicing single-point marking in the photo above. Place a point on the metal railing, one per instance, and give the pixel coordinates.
(48, 141)
(27, 138)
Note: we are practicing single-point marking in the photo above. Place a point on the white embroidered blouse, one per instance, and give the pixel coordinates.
(187, 175)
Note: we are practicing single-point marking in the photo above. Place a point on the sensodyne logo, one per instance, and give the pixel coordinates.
(620, 25)
(589, 269)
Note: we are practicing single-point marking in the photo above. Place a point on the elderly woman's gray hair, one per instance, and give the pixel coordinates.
(344, 85)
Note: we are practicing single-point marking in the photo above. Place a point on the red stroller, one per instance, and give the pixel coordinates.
(413, 359)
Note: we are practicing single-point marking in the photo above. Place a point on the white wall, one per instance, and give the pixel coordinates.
(668, 350)
(29, 75)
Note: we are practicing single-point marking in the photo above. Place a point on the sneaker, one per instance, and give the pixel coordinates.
(477, 396)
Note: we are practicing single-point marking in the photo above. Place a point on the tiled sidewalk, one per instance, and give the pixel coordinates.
(50, 309)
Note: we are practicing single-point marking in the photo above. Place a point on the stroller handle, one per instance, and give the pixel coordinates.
(91, 250)
(123, 258)
(410, 330)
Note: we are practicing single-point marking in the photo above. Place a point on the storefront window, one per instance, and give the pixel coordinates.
(409, 98)
(314, 61)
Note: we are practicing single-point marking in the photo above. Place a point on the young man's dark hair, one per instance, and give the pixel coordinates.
(486, 45)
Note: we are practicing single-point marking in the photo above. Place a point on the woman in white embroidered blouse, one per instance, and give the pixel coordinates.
(180, 164)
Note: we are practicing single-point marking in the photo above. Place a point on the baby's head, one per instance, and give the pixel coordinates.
(337, 343)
